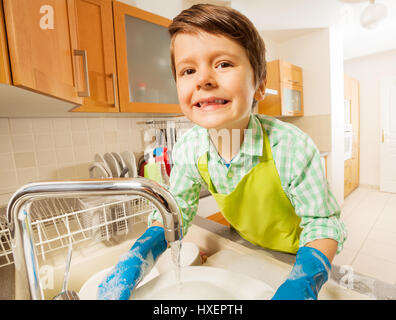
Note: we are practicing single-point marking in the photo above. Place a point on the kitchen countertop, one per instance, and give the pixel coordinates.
(362, 284)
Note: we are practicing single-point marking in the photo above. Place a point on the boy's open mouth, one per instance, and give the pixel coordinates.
(211, 104)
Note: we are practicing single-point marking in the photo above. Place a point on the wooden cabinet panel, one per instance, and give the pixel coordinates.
(352, 165)
(5, 75)
(41, 54)
(290, 73)
(130, 97)
(96, 37)
(287, 80)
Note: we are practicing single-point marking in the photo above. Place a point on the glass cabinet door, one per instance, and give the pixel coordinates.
(292, 100)
(145, 79)
(149, 69)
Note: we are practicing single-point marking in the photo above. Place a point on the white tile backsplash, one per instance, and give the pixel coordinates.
(33, 149)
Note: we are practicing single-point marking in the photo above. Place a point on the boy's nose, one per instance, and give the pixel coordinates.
(206, 81)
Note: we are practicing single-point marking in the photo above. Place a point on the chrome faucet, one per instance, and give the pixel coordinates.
(25, 258)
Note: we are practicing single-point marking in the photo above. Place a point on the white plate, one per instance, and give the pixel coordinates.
(101, 160)
(120, 162)
(97, 171)
(89, 290)
(130, 162)
(113, 165)
(204, 283)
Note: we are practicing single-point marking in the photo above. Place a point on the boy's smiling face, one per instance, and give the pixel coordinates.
(215, 80)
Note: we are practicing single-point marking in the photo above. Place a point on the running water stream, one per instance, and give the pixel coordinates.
(175, 253)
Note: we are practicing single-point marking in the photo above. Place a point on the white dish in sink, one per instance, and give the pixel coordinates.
(203, 283)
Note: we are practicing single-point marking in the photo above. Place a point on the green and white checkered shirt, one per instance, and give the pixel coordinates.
(297, 160)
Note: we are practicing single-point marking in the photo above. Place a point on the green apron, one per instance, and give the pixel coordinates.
(258, 208)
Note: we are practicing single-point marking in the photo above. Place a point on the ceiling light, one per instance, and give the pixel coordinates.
(373, 15)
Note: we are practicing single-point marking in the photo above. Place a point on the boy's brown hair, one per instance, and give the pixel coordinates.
(223, 21)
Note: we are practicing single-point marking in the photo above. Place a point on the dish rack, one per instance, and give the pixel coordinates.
(59, 222)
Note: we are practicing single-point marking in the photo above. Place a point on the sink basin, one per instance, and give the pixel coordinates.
(203, 283)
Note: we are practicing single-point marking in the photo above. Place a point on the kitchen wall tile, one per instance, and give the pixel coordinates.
(5, 198)
(95, 124)
(110, 124)
(79, 124)
(4, 126)
(21, 126)
(47, 172)
(66, 173)
(110, 137)
(82, 154)
(124, 124)
(25, 159)
(46, 158)
(61, 125)
(22, 143)
(5, 143)
(64, 156)
(8, 179)
(124, 136)
(44, 141)
(96, 138)
(42, 126)
(63, 140)
(82, 171)
(80, 138)
(7, 162)
(27, 175)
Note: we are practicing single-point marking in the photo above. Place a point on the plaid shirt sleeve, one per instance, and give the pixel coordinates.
(311, 197)
(185, 184)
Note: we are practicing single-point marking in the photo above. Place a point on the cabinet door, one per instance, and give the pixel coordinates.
(96, 39)
(42, 39)
(292, 100)
(5, 75)
(145, 77)
(290, 73)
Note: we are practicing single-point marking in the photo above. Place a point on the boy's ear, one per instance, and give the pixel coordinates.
(260, 91)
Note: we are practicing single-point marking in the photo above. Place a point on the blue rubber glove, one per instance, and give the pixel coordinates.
(307, 277)
(133, 266)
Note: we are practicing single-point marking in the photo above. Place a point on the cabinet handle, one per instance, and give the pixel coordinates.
(113, 75)
(383, 135)
(83, 54)
(293, 81)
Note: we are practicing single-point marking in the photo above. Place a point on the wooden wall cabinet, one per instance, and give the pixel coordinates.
(5, 74)
(42, 57)
(101, 55)
(145, 78)
(95, 34)
(286, 78)
(352, 112)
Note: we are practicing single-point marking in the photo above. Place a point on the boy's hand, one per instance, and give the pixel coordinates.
(308, 275)
(133, 265)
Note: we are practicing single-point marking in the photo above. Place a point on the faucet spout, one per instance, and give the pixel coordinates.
(25, 258)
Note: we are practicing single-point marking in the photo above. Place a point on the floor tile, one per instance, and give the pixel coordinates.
(345, 257)
(375, 267)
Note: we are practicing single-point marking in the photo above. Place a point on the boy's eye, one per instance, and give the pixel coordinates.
(223, 65)
(187, 72)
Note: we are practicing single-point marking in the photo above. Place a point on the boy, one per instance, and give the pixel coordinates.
(266, 177)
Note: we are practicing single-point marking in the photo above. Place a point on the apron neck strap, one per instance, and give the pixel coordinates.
(203, 161)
